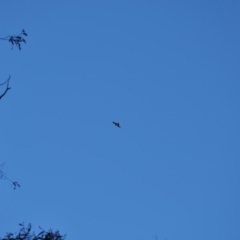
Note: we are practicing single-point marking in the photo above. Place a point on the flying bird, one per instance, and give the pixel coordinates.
(116, 124)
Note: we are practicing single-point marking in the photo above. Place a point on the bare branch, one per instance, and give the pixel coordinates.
(7, 88)
(4, 177)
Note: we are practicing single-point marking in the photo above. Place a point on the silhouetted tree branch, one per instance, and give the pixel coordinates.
(7, 88)
(3, 176)
(16, 39)
(26, 234)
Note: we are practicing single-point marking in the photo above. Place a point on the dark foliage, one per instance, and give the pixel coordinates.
(16, 39)
(25, 233)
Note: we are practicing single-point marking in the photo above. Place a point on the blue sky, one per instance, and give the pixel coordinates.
(168, 71)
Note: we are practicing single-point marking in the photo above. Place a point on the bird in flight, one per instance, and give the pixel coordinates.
(116, 124)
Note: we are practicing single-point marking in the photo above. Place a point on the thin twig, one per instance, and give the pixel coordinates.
(7, 88)
(3, 176)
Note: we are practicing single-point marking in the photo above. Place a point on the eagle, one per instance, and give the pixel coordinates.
(116, 124)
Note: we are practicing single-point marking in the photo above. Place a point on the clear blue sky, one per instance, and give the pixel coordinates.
(169, 72)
